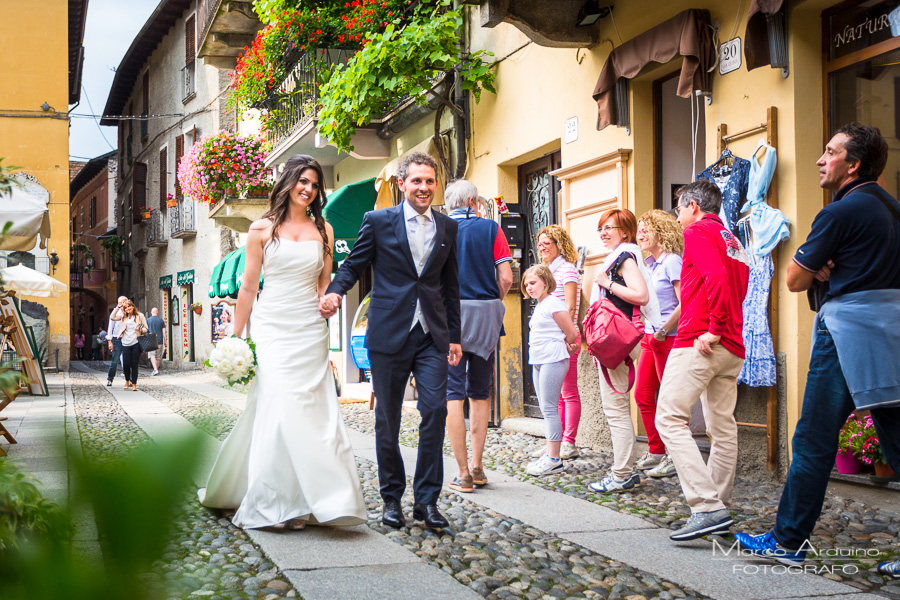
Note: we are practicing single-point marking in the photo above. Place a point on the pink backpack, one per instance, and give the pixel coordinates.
(610, 338)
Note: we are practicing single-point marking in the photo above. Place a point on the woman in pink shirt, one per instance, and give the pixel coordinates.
(558, 253)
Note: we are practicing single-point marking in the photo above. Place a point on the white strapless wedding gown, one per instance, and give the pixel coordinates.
(289, 455)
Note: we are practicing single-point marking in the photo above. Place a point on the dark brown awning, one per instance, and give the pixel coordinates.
(688, 34)
(756, 36)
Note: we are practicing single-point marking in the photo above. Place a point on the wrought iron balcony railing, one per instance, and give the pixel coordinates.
(181, 220)
(296, 99)
(156, 229)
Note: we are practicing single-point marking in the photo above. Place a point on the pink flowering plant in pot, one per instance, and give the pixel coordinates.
(867, 447)
(223, 164)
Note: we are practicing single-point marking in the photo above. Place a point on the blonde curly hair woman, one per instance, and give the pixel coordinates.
(662, 242)
(559, 255)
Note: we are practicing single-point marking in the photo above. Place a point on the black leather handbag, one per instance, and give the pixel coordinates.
(148, 342)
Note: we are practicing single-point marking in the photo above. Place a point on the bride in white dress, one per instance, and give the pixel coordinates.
(288, 460)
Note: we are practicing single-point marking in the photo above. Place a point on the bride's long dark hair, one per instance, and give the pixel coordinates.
(280, 198)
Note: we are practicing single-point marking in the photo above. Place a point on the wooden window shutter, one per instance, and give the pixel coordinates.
(190, 39)
(139, 191)
(163, 177)
(179, 152)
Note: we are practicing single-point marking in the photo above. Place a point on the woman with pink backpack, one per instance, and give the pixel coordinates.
(622, 284)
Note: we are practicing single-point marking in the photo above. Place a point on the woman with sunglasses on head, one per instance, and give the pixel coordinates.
(661, 238)
(558, 253)
(624, 280)
(133, 325)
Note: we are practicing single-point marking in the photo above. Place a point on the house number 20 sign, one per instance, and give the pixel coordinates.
(730, 56)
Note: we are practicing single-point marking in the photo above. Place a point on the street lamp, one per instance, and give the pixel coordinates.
(54, 259)
(89, 261)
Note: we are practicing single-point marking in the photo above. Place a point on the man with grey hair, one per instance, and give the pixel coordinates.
(115, 343)
(484, 280)
(705, 361)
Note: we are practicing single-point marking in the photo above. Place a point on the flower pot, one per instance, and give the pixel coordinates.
(884, 470)
(171, 203)
(198, 309)
(146, 215)
(847, 464)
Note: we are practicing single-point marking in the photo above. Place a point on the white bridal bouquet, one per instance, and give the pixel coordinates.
(234, 360)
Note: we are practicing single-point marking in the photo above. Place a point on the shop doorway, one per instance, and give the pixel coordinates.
(679, 139)
(537, 202)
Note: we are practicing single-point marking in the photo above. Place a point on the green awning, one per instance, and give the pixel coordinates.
(345, 209)
(227, 275)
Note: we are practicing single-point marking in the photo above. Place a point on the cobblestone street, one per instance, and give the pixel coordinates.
(486, 552)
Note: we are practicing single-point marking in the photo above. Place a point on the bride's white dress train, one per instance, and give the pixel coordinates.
(289, 455)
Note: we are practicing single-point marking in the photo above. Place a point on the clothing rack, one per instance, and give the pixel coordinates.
(770, 127)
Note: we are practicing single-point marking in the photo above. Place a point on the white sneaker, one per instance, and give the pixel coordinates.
(155, 373)
(541, 450)
(544, 466)
(611, 483)
(648, 461)
(568, 451)
(665, 468)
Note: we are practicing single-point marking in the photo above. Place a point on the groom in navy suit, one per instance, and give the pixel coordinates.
(414, 327)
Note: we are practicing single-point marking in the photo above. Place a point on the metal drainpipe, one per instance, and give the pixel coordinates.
(461, 99)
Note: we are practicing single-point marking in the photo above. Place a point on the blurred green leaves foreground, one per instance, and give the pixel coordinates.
(135, 501)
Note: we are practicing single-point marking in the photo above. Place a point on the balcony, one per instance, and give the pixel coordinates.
(156, 229)
(296, 103)
(224, 28)
(236, 214)
(181, 220)
(188, 91)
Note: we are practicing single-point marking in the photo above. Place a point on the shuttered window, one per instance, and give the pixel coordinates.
(179, 152)
(163, 177)
(139, 191)
(190, 40)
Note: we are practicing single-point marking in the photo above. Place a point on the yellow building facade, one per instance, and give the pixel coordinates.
(839, 69)
(40, 68)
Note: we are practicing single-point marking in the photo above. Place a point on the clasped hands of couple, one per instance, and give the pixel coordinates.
(329, 303)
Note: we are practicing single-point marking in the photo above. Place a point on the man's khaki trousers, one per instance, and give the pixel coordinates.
(708, 486)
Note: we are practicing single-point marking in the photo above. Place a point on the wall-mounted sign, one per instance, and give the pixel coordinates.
(861, 26)
(165, 282)
(222, 320)
(730, 56)
(571, 130)
(185, 277)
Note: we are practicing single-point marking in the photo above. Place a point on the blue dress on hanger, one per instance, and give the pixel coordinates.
(769, 225)
(759, 364)
(733, 187)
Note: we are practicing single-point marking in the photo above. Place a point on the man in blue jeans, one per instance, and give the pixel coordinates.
(115, 343)
(852, 253)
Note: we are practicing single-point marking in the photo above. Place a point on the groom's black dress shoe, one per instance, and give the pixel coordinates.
(393, 515)
(431, 515)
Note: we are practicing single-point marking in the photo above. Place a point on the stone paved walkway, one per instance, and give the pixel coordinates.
(518, 538)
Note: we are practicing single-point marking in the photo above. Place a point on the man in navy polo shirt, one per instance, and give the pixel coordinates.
(852, 253)
(484, 279)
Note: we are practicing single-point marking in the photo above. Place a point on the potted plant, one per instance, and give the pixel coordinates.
(171, 201)
(868, 450)
(222, 164)
(145, 212)
(197, 307)
(850, 437)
